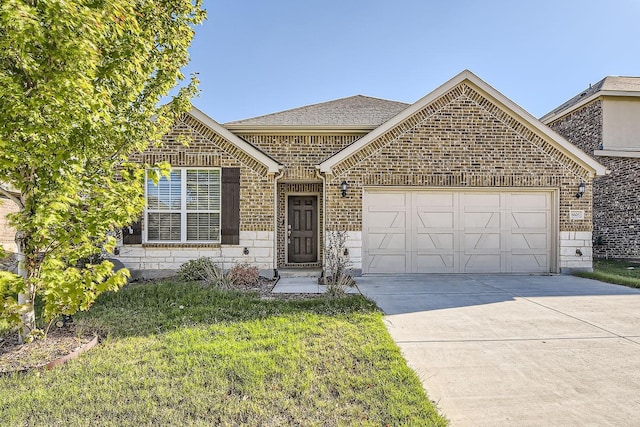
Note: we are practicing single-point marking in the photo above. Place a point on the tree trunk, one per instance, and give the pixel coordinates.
(28, 317)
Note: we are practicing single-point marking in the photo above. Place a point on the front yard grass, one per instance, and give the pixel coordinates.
(620, 272)
(184, 354)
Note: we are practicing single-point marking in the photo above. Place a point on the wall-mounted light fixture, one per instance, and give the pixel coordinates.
(343, 187)
(581, 188)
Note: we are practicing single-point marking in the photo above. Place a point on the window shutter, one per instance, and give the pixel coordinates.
(230, 210)
(132, 235)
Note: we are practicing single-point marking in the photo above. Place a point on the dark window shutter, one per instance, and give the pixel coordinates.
(132, 235)
(230, 221)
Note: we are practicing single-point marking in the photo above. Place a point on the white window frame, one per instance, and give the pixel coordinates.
(183, 209)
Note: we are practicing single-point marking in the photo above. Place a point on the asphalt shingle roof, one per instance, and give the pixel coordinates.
(356, 110)
(610, 83)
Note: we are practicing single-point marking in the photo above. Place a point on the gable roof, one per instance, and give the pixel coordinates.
(490, 93)
(356, 113)
(609, 86)
(271, 164)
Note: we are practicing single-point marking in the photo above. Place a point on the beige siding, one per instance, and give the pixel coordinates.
(7, 233)
(621, 124)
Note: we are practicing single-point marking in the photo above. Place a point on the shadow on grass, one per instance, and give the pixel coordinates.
(159, 307)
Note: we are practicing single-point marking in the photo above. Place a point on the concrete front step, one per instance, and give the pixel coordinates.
(300, 272)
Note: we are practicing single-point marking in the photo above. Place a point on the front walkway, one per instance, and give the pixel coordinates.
(303, 285)
(513, 350)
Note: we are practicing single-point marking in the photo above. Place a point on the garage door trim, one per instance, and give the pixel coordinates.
(460, 192)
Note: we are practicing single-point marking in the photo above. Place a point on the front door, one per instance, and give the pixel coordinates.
(302, 229)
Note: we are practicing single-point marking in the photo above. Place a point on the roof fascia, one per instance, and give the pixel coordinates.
(298, 129)
(271, 165)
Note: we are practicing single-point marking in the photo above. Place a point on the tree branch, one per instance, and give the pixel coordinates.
(10, 196)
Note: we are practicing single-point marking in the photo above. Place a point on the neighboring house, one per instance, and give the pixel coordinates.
(462, 181)
(604, 121)
(7, 233)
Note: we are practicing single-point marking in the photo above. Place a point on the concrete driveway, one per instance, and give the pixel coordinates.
(518, 350)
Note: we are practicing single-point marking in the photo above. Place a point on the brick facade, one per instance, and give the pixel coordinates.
(462, 140)
(300, 153)
(208, 149)
(616, 200)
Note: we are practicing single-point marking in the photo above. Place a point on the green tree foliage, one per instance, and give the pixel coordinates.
(80, 83)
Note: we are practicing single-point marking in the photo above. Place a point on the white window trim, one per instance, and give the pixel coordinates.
(183, 209)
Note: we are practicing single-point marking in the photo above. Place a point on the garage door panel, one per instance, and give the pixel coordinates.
(534, 241)
(476, 219)
(434, 240)
(433, 199)
(390, 200)
(388, 263)
(389, 219)
(434, 263)
(478, 200)
(457, 231)
(431, 218)
(482, 263)
(530, 219)
(531, 200)
(530, 263)
(482, 241)
(387, 241)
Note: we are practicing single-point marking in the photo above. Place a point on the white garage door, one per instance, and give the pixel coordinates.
(420, 231)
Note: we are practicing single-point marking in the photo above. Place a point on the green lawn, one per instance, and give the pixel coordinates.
(625, 273)
(183, 354)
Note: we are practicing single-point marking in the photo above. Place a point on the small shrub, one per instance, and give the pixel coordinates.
(338, 265)
(243, 275)
(196, 269)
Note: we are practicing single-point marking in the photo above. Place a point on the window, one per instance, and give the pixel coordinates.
(184, 207)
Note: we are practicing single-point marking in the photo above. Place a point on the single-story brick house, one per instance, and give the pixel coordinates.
(604, 121)
(461, 181)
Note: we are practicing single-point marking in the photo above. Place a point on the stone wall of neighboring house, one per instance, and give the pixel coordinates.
(207, 149)
(616, 200)
(7, 233)
(463, 140)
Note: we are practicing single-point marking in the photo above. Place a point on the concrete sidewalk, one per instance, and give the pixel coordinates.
(518, 350)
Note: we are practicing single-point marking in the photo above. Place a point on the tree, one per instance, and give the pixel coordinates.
(81, 83)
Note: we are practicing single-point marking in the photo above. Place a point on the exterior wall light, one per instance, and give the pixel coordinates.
(581, 188)
(343, 187)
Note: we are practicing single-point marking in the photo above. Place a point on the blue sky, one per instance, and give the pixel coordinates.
(258, 57)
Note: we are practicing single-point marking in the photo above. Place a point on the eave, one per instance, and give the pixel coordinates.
(298, 130)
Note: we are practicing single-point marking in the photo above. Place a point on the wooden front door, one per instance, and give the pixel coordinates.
(302, 229)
